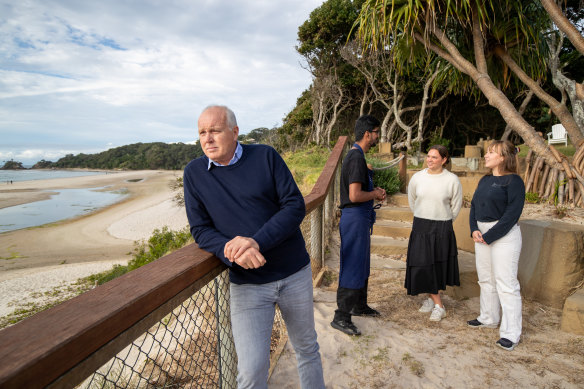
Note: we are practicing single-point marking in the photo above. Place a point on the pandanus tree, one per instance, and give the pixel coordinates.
(483, 42)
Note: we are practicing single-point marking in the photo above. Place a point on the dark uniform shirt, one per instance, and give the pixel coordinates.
(354, 170)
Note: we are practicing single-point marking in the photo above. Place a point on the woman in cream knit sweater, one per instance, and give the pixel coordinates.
(435, 197)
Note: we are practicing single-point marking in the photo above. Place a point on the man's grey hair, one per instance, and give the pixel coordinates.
(229, 115)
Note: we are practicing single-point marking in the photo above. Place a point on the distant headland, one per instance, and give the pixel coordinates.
(137, 156)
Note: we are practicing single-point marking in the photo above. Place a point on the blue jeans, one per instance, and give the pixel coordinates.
(252, 316)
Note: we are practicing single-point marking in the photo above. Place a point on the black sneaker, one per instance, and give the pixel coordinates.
(346, 326)
(367, 311)
(474, 323)
(506, 344)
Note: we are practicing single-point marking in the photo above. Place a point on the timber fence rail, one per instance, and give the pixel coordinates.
(165, 324)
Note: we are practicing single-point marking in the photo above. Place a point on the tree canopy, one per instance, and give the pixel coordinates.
(137, 156)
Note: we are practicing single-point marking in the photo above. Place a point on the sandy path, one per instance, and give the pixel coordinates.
(403, 349)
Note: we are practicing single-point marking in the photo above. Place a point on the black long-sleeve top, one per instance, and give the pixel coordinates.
(497, 198)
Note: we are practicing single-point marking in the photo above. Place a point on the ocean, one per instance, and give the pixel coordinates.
(41, 174)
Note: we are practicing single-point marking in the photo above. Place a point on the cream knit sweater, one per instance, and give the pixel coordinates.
(435, 196)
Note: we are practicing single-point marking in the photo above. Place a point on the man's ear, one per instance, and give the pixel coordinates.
(235, 132)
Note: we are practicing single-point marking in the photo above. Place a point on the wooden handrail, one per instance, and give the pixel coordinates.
(35, 352)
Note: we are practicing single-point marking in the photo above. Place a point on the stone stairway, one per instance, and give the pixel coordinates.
(390, 238)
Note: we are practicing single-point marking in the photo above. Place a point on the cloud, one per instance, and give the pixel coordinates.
(75, 75)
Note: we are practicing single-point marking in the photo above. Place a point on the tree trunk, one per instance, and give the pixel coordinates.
(495, 97)
(558, 108)
(564, 84)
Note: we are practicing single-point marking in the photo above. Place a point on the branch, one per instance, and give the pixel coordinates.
(478, 42)
(562, 22)
(439, 52)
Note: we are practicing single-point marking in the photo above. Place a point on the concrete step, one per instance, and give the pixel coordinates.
(395, 213)
(398, 200)
(573, 313)
(392, 229)
(383, 245)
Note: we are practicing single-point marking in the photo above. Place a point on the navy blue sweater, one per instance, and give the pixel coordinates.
(497, 198)
(255, 197)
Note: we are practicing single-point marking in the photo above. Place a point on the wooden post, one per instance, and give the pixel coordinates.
(403, 172)
(544, 178)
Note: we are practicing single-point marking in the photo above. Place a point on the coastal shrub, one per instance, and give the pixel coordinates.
(306, 165)
(159, 244)
(387, 179)
(532, 197)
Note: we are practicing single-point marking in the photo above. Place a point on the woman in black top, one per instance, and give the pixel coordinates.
(495, 209)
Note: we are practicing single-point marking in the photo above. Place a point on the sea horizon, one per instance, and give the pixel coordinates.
(18, 175)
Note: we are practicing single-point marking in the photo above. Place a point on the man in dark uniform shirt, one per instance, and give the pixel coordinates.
(357, 216)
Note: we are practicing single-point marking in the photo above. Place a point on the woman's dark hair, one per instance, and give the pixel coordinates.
(509, 153)
(442, 150)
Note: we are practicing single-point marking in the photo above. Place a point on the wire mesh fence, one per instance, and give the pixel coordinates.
(192, 346)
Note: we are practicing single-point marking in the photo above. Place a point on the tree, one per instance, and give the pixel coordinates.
(562, 22)
(12, 165)
(336, 84)
(456, 31)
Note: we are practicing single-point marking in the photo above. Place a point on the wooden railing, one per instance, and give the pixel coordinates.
(62, 346)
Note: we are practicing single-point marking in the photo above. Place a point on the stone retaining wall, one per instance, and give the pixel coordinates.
(551, 266)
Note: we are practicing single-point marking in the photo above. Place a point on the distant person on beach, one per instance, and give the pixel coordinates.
(435, 197)
(357, 217)
(243, 206)
(495, 209)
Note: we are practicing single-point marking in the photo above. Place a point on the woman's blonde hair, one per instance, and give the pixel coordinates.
(509, 153)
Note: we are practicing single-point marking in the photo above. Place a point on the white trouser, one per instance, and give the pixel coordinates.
(497, 271)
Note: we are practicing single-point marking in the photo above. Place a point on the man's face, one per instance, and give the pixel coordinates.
(374, 137)
(218, 141)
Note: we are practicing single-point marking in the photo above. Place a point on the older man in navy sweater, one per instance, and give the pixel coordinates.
(244, 206)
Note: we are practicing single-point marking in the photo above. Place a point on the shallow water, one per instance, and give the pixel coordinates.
(40, 174)
(67, 203)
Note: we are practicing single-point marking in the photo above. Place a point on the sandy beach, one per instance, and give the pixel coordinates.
(38, 259)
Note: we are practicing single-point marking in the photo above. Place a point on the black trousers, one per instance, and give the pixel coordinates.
(347, 299)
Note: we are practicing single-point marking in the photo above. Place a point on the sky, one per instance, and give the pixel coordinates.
(85, 76)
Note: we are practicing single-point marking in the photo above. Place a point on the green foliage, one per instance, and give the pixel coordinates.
(387, 179)
(296, 124)
(257, 135)
(532, 197)
(326, 31)
(435, 139)
(12, 165)
(136, 156)
(159, 244)
(42, 164)
(306, 165)
(555, 196)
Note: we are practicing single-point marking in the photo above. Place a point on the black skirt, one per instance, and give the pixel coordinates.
(432, 261)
